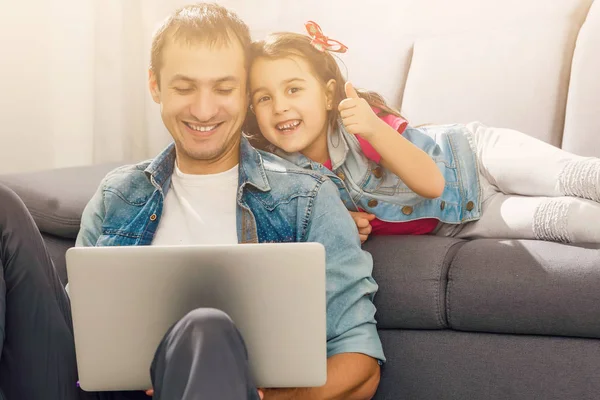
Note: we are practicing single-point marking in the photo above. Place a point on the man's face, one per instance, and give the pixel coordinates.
(203, 101)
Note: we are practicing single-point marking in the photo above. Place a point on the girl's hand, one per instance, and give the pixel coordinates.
(363, 223)
(357, 115)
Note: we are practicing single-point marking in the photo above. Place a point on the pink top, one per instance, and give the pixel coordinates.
(417, 227)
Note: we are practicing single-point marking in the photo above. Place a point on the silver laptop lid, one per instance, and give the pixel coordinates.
(124, 299)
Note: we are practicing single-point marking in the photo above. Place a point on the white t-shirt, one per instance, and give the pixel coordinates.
(199, 209)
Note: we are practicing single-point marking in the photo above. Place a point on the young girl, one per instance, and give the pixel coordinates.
(466, 181)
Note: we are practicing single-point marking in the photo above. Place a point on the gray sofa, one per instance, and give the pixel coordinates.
(481, 319)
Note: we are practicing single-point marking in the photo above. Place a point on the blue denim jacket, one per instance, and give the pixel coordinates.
(364, 184)
(276, 202)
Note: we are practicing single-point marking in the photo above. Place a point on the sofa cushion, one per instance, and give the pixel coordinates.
(56, 198)
(412, 275)
(450, 365)
(582, 125)
(525, 287)
(515, 77)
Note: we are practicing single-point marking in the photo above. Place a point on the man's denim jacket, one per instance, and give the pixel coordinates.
(276, 202)
(366, 185)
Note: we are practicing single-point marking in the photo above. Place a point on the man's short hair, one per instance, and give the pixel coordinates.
(203, 23)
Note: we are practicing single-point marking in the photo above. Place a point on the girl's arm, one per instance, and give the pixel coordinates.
(411, 164)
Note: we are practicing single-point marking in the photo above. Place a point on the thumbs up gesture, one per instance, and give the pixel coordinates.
(357, 115)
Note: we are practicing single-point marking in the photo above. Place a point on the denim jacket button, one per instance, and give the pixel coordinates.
(407, 210)
(470, 206)
(378, 172)
(341, 175)
(372, 203)
(153, 217)
(442, 205)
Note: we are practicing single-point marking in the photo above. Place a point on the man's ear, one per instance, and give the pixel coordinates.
(153, 85)
(330, 93)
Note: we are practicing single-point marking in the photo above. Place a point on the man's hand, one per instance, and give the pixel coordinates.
(350, 376)
(357, 115)
(150, 392)
(363, 223)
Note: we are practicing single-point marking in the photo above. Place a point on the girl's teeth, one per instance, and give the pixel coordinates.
(289, 126)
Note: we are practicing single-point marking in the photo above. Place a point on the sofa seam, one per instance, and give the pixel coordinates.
(437, 288)
(448, 260)
(50, 218)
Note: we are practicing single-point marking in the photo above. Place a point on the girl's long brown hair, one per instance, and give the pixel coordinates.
(285, 44)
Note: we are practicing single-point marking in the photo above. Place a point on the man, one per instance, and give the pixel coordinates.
(209, 187)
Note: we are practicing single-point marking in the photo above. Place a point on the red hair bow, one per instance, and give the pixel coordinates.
(322, 42)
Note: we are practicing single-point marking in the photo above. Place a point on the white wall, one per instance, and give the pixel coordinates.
(46, 115)
(120, 125)
(72, 78)
(73, 72)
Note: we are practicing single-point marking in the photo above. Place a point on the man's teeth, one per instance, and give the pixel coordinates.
(202, 128)
(289, 125)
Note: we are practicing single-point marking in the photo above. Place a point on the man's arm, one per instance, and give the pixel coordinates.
(91, 220)
(349, 376)
(353, 345)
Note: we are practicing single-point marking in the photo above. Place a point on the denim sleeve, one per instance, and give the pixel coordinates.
(351, 325)
(91, 220)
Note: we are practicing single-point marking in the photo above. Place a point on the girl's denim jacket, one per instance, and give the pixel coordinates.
(365, 185)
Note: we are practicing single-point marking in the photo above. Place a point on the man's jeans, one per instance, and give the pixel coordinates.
(202, 356)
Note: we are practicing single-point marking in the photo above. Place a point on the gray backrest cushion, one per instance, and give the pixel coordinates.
(56, 198)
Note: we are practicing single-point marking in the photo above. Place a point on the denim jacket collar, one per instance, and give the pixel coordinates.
(337, 145)
(251, 170)
(295, 158)
(160, 169)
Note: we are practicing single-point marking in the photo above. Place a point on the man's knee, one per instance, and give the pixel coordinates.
(10, 203)
(209, 322)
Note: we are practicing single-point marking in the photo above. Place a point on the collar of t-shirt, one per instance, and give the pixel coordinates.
(208, 179)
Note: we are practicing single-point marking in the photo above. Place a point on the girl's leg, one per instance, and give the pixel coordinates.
(519, 164)
(505, 216)
(557, 219)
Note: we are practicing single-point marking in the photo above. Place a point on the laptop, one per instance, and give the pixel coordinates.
(124, 299)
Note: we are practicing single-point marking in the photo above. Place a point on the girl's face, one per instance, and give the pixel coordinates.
(291, 105)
